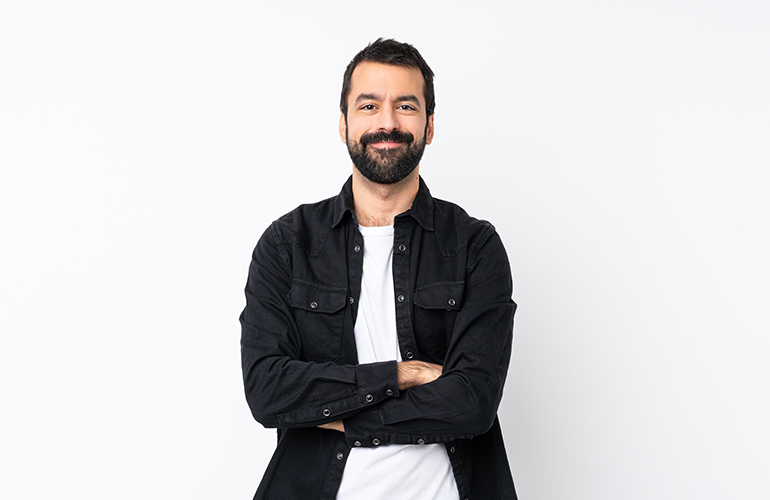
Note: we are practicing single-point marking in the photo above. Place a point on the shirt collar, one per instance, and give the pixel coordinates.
(421, 211)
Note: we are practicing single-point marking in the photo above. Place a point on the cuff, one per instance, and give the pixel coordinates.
(377, 382)
(365, 429)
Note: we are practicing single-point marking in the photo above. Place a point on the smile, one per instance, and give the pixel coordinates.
(386, 144)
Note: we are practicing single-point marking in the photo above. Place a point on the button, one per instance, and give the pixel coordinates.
(314, 305)
(352, 300)
(376, 442)
(402, 247)
(389, 392)
(401, 298)
(340, 456)
(409, 355)
(327, 412)
(357, 248)
(357, 443)
(451, 449)
(420, 441)
(452, 302)
(369, 398)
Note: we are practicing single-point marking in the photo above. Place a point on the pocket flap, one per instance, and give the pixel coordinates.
(444, 295)
(317, 298)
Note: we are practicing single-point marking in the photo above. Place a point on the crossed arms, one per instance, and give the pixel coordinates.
(385, 402)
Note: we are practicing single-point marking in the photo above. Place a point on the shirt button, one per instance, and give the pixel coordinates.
(369, 398)
(352, 300)
(357, 443)
(451, 449)
(409, 355)
(314, 305)
(357, 248)
(452, 302)
(340, 456)
(401, 298)
(327, 412)
(376, 442)
(402, 248)
(389, 392)
(420, 441)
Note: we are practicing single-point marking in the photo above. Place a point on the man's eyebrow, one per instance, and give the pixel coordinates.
(376, 97)
(409, 98)
(368, 97)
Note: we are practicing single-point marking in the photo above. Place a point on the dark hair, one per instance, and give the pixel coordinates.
(398, 54)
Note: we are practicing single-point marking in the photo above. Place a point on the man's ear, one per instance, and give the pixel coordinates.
(343, 128)
(429, 130)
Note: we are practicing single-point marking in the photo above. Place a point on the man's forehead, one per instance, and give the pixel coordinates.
(376, 78)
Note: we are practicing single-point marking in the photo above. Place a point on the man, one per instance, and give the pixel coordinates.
(378, 326)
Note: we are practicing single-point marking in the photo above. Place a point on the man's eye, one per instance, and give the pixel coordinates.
(368, 107)
(406, 107)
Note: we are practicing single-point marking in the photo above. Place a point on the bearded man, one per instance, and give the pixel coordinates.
(378, 324)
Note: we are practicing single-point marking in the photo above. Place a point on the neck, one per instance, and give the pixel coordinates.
(378, 204)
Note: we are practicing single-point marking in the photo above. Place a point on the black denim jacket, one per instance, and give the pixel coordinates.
(453, 290)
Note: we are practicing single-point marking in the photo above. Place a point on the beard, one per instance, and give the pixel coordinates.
(389, 165)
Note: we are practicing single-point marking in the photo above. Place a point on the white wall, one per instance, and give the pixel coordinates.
(621, 149)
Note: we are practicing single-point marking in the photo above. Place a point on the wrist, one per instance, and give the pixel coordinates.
(406, 375)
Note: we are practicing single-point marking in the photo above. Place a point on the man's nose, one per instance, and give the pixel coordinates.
(387, 119)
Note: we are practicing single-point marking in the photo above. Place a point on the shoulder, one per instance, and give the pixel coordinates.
(456, 230)
(307, 225)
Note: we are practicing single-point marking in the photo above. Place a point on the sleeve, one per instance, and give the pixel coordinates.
(463, 401)
(281, 389)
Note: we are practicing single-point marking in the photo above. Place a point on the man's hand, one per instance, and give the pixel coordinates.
(414, 373)
(334, 426)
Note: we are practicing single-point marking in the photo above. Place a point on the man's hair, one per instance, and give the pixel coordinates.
(397, 54)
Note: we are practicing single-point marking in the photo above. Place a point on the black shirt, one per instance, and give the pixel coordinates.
(453, 291)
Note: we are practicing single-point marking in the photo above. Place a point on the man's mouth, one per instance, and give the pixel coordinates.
(386, 144)
(386, 140)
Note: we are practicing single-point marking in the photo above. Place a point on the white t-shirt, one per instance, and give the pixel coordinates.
(405, 472)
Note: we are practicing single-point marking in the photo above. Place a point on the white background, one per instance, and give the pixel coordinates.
(620, 148)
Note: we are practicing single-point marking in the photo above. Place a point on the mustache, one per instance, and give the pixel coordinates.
(382, 136)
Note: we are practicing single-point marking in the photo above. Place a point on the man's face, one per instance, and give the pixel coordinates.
(386, 128)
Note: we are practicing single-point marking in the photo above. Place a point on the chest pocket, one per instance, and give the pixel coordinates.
(319, 313)
(436, 307)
